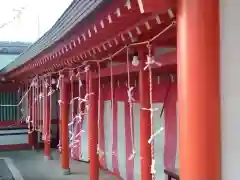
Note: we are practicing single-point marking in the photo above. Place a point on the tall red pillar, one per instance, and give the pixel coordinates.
(199, 89)
(33, 119)
(64, 108)
(145, 120)
(47, 121)
(93, 128)
(30, 114)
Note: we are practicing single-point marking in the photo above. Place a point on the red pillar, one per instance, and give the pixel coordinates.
(30, 135)
(33, 119)
(145, 120)
(198, 89)
(93, 128)
(64, 108)
(46, 119)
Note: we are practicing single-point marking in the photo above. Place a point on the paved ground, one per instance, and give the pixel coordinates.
(33, 167)
(5, 171)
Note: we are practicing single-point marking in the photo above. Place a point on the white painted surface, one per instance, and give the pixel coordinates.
(24, 108)
(13, 139)
(136, 120)
(84, 140)
(108, 131)
(230, 88)
(158, 141)
(121, 139)
(14, 131)
(70, 125)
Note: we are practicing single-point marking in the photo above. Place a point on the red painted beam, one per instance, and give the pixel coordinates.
(156, 6)
(109, 31)
(166, 59)
(128, 18)
(147, 34)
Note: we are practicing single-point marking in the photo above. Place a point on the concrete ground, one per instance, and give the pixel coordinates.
(32, 166)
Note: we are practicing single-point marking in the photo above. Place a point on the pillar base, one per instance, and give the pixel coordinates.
(66, 171)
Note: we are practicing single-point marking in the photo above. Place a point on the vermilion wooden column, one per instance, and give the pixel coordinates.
(47, 120)
(64, 108)
(198, 89)
(30, 135)
(33, 119)
(145, 120)
(93, 128)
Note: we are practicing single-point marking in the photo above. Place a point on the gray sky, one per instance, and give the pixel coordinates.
(25, 25)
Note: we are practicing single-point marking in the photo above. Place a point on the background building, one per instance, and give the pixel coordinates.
(9, 51)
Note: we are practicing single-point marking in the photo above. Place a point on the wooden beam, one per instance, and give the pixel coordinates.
(167, 59)
(170, 34)
(156, 6)
(164, 60)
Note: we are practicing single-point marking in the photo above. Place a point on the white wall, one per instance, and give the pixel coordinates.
(230, 88)
(14, 139)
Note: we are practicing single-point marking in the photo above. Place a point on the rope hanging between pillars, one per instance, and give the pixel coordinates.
(112, 95)
(130, 101)
(99, 150)
(162, 109)
(77, 119)
(58, 86)
(81, 113)
(44, 129)
(34, 108)
(153, 168)
(45, 135)
(71, 119)
(150, 61)
(172, 24)
(49, 95)
(74, 118)
(40, 105)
